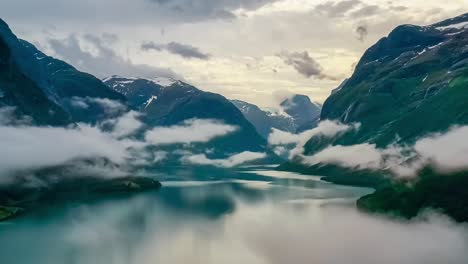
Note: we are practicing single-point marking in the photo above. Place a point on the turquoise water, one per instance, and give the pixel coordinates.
(254, 215)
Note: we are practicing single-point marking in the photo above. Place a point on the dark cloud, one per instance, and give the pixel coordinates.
(362, 32)
(106, 61)
(304, 64)
(183, 50)
(337, 9)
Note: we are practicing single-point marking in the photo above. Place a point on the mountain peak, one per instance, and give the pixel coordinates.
(160, 81)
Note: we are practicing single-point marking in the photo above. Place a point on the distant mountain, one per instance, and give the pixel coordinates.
(305, 113)
(168, 102)
(297, 114)
(43, 87)
(263, 120)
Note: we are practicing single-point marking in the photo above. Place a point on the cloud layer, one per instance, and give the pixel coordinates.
(232, 161)
(326, 128)
(446, 152)
(191, 131)
(27, 148)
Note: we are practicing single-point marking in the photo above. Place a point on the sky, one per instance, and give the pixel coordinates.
(250, 50)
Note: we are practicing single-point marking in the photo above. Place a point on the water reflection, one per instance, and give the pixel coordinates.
(252, 217)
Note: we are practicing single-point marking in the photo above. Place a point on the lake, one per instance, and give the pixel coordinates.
(253, 215)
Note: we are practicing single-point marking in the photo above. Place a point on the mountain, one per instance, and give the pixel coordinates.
(305, 113)
(167, 102)
(298, 113)
(53, 93)
(409, 84)
(263, 120)
(46, 88)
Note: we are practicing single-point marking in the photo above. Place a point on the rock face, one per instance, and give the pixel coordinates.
(168, 102)
(263, 120)
(298, 114)
(45, 88)
(304, 112)
(410, 83)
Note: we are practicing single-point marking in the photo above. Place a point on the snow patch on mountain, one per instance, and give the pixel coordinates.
(150, 101)
(161, 81)
(461, 25)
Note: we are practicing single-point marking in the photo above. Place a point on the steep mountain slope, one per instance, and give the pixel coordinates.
(43, 87)
(408, 84)
(168, 102)
(299, 114)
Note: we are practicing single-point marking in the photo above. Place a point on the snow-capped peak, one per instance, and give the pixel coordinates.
(161, 81)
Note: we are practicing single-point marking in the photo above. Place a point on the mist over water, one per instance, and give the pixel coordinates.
(249, 217)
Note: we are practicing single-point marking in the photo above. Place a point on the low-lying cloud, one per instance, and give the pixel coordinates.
(27, 148)
(190, 131)
(232, 161)
(180, 49)
(126, 125)
(326, 128)
(446, 152)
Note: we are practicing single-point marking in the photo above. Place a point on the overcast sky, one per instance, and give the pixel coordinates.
(243, 49)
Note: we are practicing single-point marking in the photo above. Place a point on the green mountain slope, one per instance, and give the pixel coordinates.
(410, 84)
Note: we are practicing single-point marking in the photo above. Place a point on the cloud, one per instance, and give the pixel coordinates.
(361, 156)
(111, 107)
(337, 9)
(304, 64)
(126, 124)
(183, 50)
(104, 61)
(209, 9)
(446, 152)
(230, 162)
(28, 147)
(362, 32)
(326, 128)
(366, 11)
(9, 117)
(190, 131)
(159, 156)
